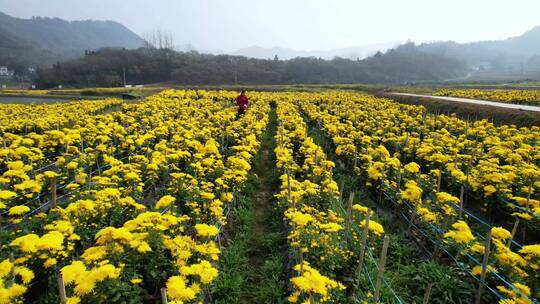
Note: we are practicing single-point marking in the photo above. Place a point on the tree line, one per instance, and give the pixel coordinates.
(106, 68)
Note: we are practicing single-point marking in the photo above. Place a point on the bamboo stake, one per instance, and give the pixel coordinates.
(164, 299)
(62, 289)
(484, 268)
(364, 239)
(382, 262)
(427, 295)
(514, 230)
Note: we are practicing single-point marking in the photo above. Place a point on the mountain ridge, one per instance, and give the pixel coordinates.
(354, 52)
(61, 39)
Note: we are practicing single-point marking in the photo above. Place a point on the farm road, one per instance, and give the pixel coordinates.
(476, 101)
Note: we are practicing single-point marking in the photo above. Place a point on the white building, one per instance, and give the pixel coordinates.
(4, 71)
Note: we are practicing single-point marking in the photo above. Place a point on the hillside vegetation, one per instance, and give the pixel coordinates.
(45, 40)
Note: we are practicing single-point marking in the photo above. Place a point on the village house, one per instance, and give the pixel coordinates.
(4, 71)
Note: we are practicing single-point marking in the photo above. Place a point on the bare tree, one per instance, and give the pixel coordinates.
(159, 39)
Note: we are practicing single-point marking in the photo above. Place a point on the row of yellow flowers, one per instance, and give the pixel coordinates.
(129, 243)
(322, 235)
(77, 151)
(499, 164)
(23, 92)
(508, 96)
(110, 198)
(20, 92)
(17, 119)
(400, 150)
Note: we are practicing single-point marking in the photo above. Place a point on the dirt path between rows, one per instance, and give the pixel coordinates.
(265, 235)
(262, 209)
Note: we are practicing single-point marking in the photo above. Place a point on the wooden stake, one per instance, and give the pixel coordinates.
(365, 233)
(12, 270)
(349, 216)
(62, 289)
(349, 206)
(427, 294)
(412, 221)
(439, 239)
(380, 192)
(514, 230)
(89, 177)
(53, 193)
(484, 267)
(281, 135)
(5, 146)
(461, 198)
(439, 177)
(399, 178)
(529, 194)
(301, 255)
(382, 262)
(164, 299)
(289, 196)
(341, 188)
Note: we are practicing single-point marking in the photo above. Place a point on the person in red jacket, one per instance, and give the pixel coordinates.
(242, 103)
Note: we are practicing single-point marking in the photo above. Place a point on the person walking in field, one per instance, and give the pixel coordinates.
(242, 103)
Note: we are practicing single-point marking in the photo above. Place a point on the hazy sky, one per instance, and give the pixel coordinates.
(299, 24)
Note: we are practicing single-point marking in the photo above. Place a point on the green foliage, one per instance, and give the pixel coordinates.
(117, 292)
(449, 286)
(227, 287)
(271, 284)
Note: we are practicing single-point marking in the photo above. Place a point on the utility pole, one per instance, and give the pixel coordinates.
(124, 73)
(124, 66)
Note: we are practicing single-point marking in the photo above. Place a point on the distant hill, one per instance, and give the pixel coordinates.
(48, 39)
(516, 55)
(527, 44)
(513, 58)
(357, 52)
